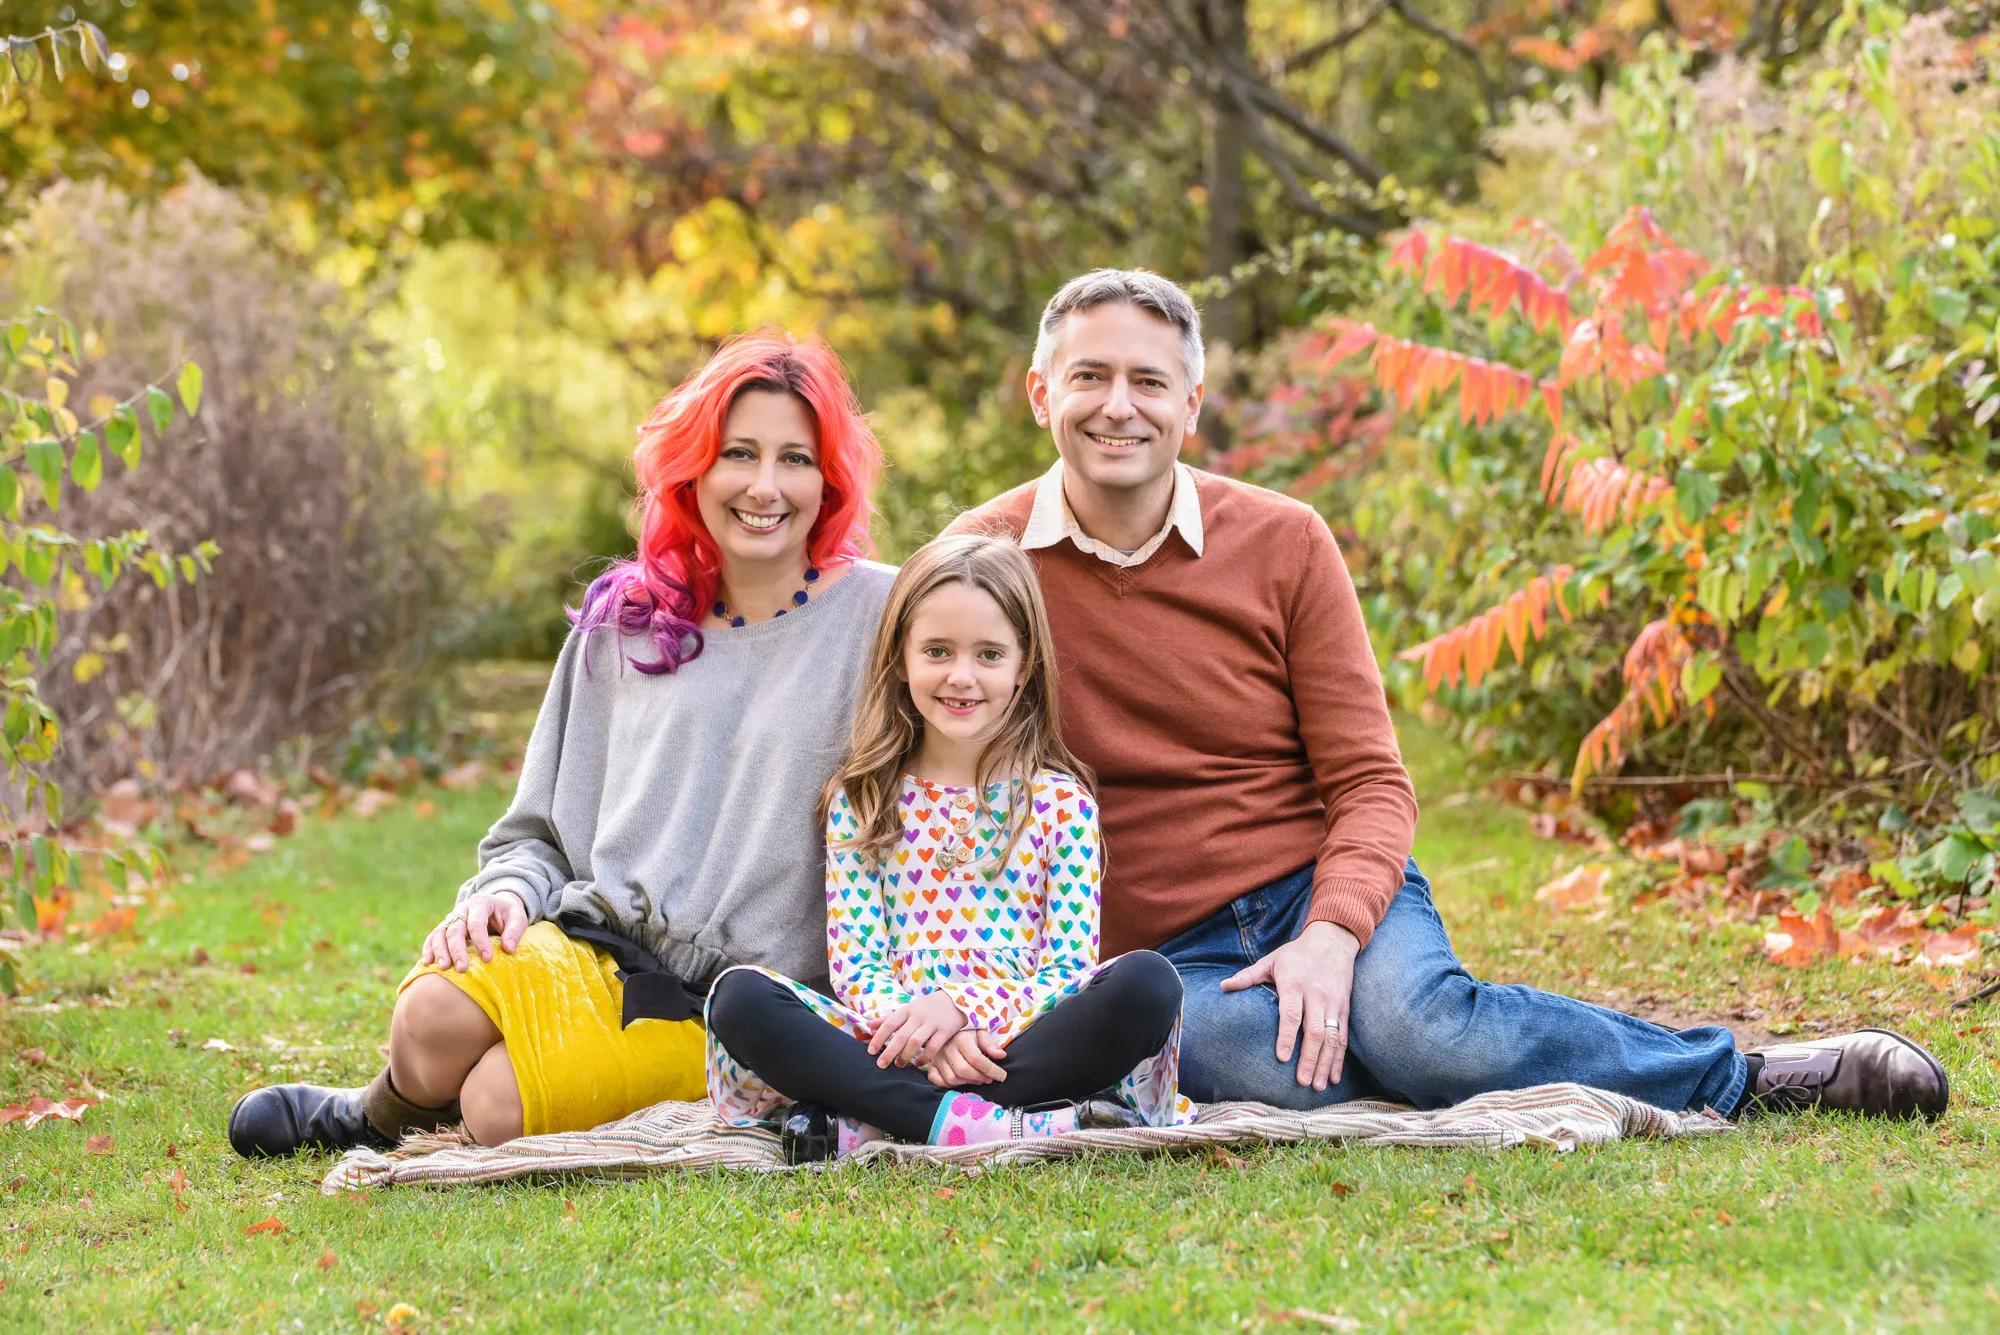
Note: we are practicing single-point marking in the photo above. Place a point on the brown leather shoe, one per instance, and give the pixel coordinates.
(1870, 1071)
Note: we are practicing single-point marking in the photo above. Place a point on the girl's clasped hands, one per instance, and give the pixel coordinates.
(933, 1035)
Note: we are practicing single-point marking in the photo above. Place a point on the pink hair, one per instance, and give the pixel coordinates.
(675, 575)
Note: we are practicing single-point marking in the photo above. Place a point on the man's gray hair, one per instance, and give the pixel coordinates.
(1135, 287)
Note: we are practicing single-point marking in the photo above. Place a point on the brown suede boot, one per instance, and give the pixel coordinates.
(395, 1116)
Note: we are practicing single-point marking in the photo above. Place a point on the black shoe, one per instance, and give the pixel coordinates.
(808, 1133)
(281, 1120)
(1871, 1071)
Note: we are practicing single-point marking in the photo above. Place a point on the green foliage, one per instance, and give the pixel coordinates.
(1788, 507)
(40, 356)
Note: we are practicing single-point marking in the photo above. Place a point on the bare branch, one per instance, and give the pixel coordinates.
(1402, 10)
(1308, 56)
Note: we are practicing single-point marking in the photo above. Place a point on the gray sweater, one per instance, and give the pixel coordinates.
(677, 810)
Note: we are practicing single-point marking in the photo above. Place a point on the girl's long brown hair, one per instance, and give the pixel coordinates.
(888, 728)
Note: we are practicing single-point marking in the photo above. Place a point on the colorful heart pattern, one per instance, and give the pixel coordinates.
(1007, 935)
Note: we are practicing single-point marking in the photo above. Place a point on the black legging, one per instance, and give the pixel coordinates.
(1089, 1041)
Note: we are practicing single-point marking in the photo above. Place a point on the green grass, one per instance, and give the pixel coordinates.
(1812, 1223)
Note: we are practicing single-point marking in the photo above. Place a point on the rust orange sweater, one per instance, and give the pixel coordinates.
(1232, 709)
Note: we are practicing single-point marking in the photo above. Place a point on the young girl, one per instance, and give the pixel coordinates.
(961, 883)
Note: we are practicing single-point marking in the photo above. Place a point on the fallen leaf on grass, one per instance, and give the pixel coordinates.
(101, 1145)
(218, 1045)
(16, 1182)
(39, 1109)
(1889, 929)
(271, 1225)
(371, 801)
(285, 819)
(1330, 1320)
(399, 1317)
(1580, 889)
(1954, 949)
(944, 1193)
(124, 808)
(425, 809)
(1801, 942)
(112, 922)
(1228, 1160)
(365, 1310)
(569, 1211)
(34, 1057)
(328, 1260)
(246, 788)
(1338, 1188)
(1703, 859)
(469, 775)
(179, 1182)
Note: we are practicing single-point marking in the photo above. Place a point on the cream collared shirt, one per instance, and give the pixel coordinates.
(1051, 521)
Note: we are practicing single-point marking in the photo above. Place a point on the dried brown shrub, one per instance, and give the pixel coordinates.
(331, 554)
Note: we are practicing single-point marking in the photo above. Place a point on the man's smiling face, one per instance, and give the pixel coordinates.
(1116, 397)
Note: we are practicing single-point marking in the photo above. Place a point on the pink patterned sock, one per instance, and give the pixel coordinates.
(853, 1135)
(967, 1119)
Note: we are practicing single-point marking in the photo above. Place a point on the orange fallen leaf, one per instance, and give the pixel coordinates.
(1954, 949)
(1580, 889)
(271, 1225)
(1889, 929)
(1801, 942)
(34, 1057)
(569, 1210)
(425, 809)
(101, 1145)
(328, 1260)
(38, 1109)
(112, 922)
(944, 1193)
(365, 1310)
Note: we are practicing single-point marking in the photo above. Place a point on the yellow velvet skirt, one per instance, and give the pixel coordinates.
(558, 1005)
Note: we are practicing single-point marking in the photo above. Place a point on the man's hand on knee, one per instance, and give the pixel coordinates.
(1313, 977)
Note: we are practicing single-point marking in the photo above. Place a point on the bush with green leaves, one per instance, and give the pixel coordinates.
(1725, 518)
(47, 448)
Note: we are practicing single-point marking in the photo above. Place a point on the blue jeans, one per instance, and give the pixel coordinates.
(1421, 1030)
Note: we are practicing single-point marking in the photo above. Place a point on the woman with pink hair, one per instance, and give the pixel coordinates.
(663, 829)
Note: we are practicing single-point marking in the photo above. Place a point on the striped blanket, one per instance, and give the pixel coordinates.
(679, 1137)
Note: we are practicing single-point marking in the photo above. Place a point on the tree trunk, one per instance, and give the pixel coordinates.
(1227, 200)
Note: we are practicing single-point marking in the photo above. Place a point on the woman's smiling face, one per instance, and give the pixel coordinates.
(761, 496)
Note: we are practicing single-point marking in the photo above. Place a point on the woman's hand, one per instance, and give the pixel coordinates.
(475, 921)
(970, 1058)
(916, 1034)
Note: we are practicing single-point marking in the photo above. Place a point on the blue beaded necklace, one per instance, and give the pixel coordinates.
(799, 599)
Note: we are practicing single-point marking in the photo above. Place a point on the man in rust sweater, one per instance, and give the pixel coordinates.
(1258, 820)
